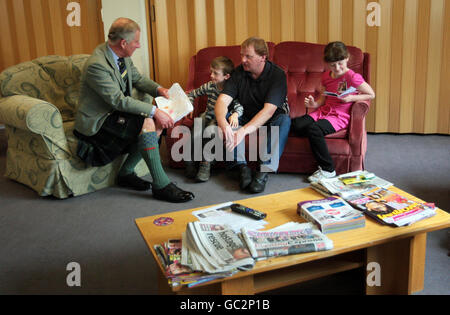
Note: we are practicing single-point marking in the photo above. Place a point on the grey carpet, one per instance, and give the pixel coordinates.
(40, 236)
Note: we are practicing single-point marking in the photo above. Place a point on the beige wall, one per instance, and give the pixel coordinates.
(34, 28)
(135, 10)
(410, 49)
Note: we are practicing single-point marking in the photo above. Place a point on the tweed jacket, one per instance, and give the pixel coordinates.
(102, 91)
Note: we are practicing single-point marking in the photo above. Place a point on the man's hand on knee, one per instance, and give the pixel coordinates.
(163, 119)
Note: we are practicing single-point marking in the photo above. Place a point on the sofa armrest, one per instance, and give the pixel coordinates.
(357, 127)
(366, 67)
(36, 116)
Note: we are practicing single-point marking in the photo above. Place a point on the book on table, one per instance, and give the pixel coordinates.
(331, 214)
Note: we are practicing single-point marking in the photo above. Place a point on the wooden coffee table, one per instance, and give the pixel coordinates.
(399, 252)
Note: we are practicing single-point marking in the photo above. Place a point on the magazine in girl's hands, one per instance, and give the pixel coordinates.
(346, 92)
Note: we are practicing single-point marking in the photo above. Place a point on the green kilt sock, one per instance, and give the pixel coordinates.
(149, 148)
(130, 163)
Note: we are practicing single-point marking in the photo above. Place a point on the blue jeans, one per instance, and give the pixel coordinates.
(275, 140)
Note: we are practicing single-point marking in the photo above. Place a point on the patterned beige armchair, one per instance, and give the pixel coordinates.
(38, 101)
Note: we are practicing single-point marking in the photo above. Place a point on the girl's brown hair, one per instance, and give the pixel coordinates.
(335, 51)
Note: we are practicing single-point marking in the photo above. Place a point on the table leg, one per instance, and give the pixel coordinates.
(399, 265)
(418, 253)
(163, 285)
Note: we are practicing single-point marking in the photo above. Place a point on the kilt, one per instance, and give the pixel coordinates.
(118, 135)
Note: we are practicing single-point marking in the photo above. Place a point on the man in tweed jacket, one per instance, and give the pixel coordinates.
(110, 122)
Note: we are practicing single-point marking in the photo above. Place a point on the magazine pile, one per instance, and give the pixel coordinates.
(390, 208)
(302, 239)
(369, 193)
(349, 184)
(331, 214)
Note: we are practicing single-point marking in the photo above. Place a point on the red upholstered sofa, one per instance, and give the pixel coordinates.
(303, 64)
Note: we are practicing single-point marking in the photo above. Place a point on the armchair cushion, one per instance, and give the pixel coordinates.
(54, 79)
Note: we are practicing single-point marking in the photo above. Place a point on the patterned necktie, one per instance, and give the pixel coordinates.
(123, 73)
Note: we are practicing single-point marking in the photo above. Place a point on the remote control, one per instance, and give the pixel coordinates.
(252, 213)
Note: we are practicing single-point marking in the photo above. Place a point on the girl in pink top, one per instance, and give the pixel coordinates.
(330, 114)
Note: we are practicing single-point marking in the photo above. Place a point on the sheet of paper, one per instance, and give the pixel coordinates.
(222, 214)
(177, 105)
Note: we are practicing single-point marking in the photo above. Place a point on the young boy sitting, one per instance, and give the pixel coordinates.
(221, 69)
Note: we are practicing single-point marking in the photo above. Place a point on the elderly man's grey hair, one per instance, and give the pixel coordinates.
(122, 28)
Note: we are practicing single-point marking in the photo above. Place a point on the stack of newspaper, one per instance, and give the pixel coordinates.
(331, 214)
(304, 238)
(214, 248)
(390, 208)
(169, 254)
(349, 184)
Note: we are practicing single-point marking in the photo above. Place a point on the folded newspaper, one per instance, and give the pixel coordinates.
(306, 238)
(331, 214)
(336, 185)
(390, 208)
(222, 214)
(177, 105)
(214, 248)
(169, 254)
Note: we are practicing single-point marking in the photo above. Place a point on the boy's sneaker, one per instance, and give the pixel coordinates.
(320, 174)
(204, 172)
